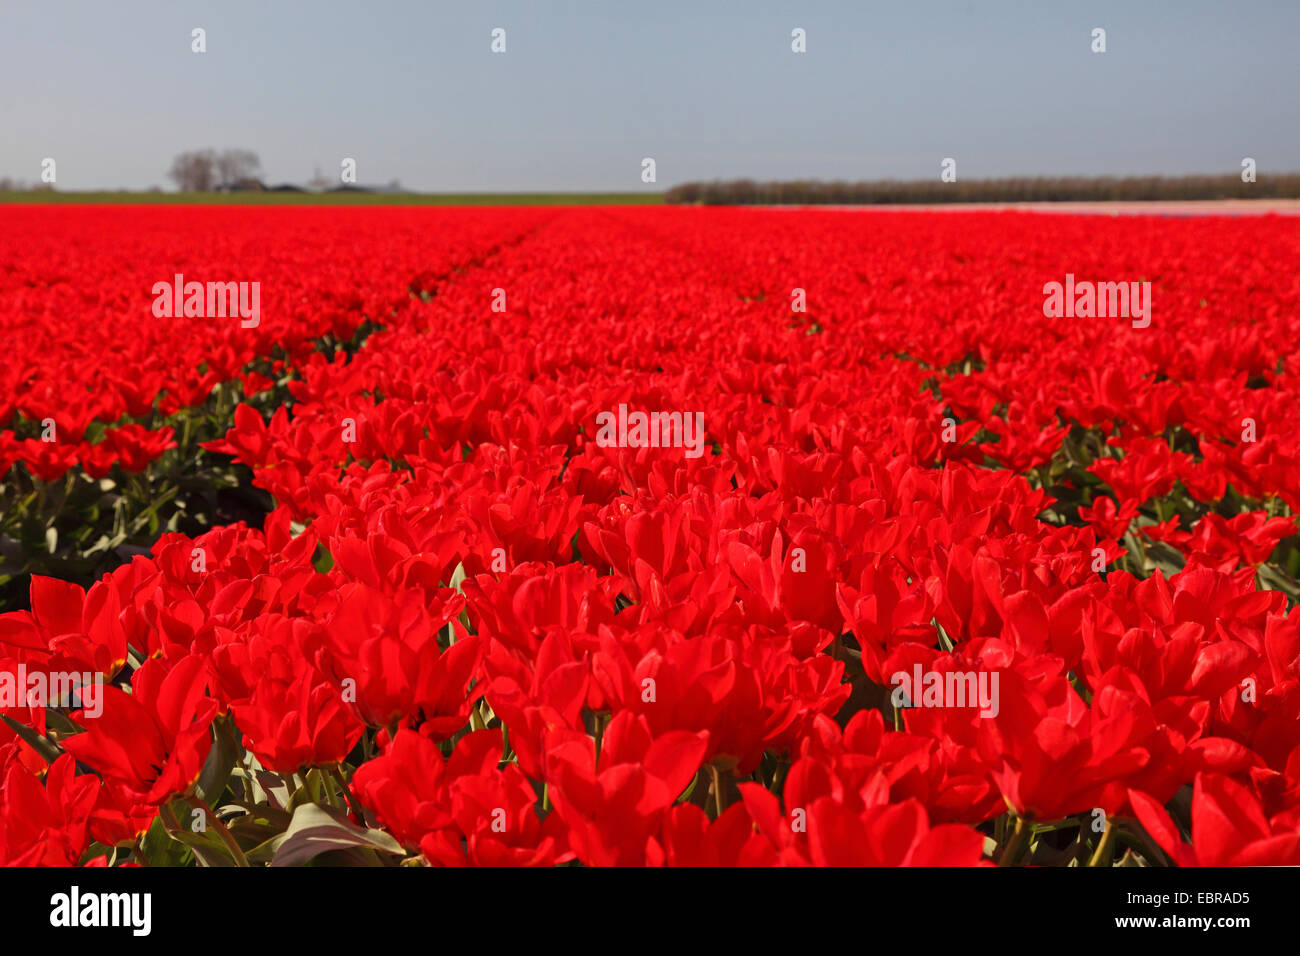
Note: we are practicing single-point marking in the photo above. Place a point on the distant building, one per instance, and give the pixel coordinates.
(391, 188)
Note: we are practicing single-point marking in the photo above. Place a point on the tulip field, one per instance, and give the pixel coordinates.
(647, 536)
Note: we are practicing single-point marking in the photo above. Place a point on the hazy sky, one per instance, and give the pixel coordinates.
(585, 90)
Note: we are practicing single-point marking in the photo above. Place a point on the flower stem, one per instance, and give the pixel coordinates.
(227, 837)
(347, 794)
(1016, 845)
(1104, 844)
(719, 801)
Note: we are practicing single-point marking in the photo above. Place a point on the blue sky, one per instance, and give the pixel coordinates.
(585, 90)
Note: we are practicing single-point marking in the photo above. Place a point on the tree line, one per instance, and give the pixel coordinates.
(1022, 189)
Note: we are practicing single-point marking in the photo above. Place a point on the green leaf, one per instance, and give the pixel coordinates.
(207, 846)
(265, 852)
(316, 830)
(159, 848)
(221, 761)
(324, 560)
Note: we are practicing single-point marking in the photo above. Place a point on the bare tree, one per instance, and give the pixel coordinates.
(236, 164)
(195, 171)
